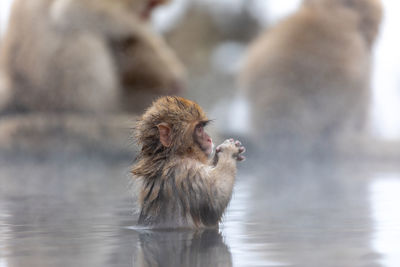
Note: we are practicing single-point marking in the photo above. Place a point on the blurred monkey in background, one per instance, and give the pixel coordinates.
(307, 78)
(85, 56)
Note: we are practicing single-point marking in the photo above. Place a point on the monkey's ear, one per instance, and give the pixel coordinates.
(165, 134)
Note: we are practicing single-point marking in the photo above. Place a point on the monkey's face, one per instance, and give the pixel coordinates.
(202, 139)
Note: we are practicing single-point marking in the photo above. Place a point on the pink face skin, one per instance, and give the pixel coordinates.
(203, 139)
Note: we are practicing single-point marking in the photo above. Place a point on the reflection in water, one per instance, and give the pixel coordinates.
(385, 200)
(58, 214)
(181, 248)
(5, 232)
(309, 214)
(244, 251)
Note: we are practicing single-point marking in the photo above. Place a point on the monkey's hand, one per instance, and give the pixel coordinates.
(232, 148)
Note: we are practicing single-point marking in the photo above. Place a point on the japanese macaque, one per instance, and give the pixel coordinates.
(307, 79)
(85, 56)
(194, 248)
(181, 186)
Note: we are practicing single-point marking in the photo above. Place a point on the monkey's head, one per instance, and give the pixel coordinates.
(147, 68)
(367, 12)
(174, 126)
(152, 65)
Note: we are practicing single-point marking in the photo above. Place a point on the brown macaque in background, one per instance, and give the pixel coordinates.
(143, 79)
(62, 55)
(180, 186)
(307, 79)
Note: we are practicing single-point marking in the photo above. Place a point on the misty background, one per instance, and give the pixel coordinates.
(384, 119)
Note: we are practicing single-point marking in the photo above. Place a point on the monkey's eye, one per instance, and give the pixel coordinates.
(199, 128)
(204, 123)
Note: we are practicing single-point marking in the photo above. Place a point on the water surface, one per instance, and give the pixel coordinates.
(79, 212)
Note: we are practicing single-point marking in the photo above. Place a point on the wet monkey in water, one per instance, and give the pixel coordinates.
(180, 185)
(85, 56)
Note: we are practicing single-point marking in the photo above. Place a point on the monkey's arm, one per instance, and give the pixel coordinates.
(109, 18)
(222, 175)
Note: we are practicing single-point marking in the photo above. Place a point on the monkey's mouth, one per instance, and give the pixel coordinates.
(210, 151)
